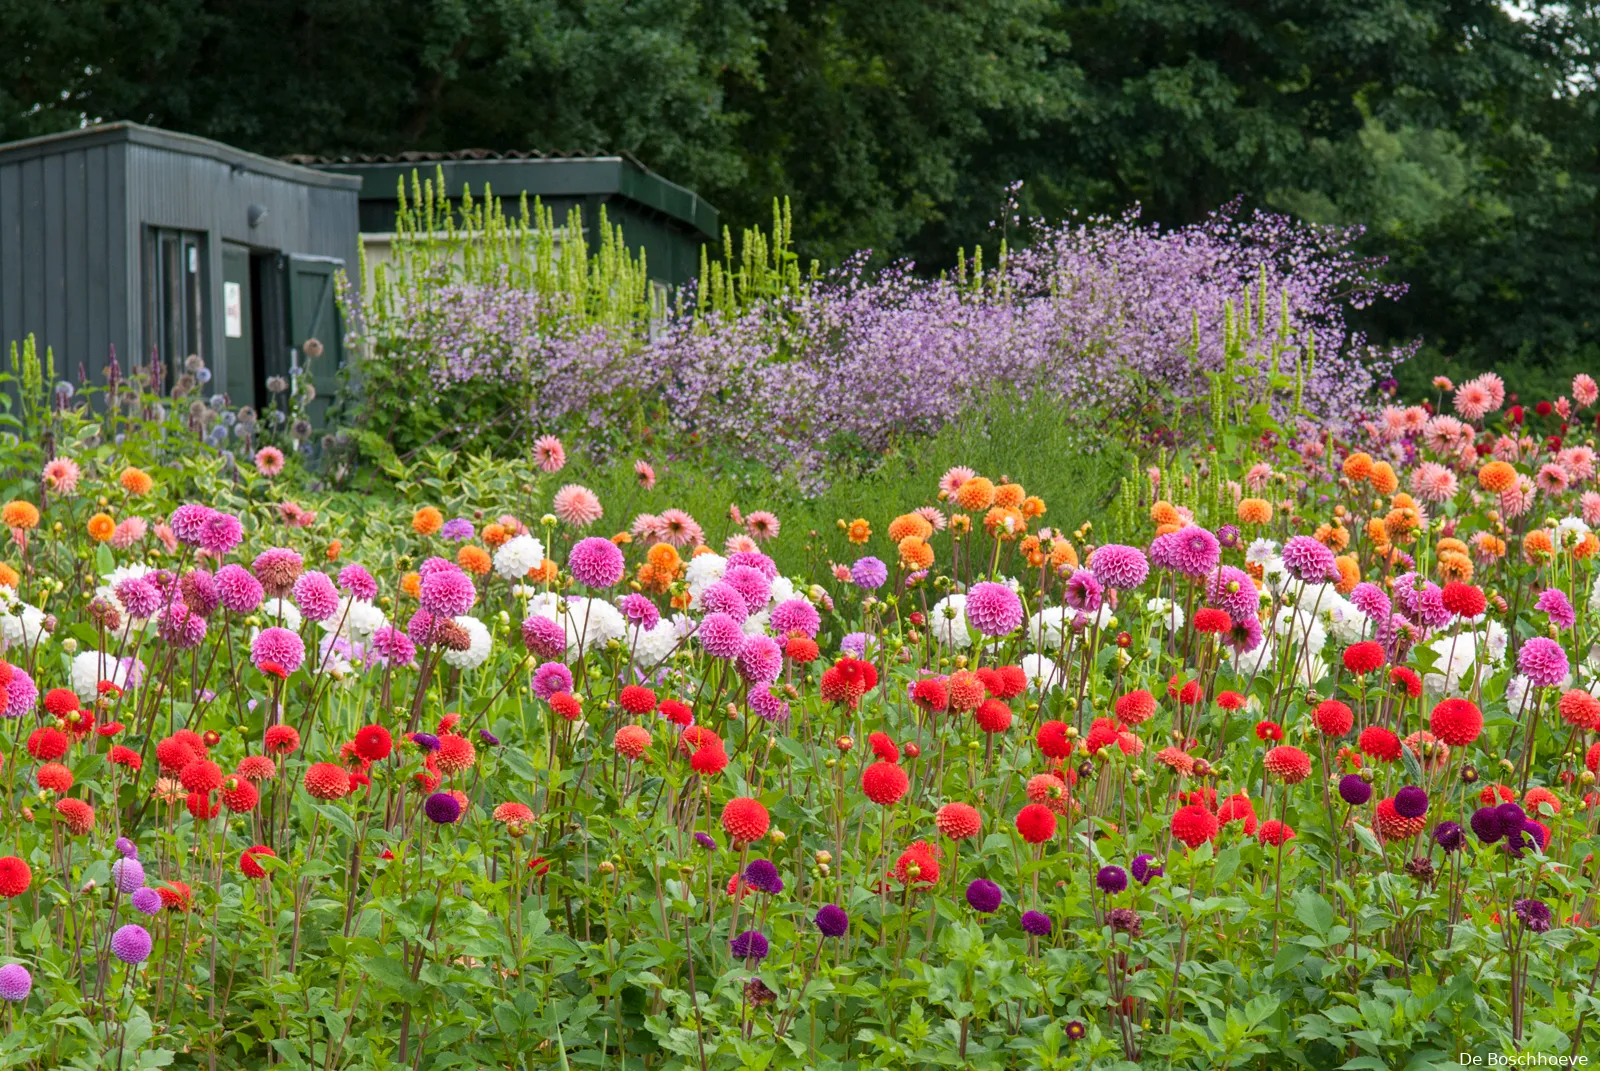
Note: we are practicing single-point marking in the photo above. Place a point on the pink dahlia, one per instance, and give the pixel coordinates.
(316, 596)
(277, 646)
(577, 506)
(1543, 662)
(446, 593)
(1118, 566)
(596, 562)
(549, 454)
(994, 609)
(238, 591)
(678, 529)
(61, 475)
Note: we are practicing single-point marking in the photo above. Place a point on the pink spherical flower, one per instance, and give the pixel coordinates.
(221, 533)
(278, 568)
(724, 598)
(181, 626)
(278, 646)
(1307, 560)
(577, 506)
(760, 660)
(1118, 566)
(721, 636)
(1191, 551)
(1543, 662)
(993, 609)
(447, 593)
(390, 646)
(316, 596)
(596, 562)
(355, 581)
(543, 637)
(128, 532)
(239, 592)
(188, 521)
(796, 615)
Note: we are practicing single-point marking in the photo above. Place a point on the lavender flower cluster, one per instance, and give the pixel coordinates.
(1113, 310)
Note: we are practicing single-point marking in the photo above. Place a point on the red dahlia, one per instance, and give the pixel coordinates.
(325, 781)
(373, 743)
(884, 783)
(1053, 740)
(958, 821)
(15, 877)
(636, 699)
(745, 820)
(247, 862)
(1458, 722)
(1364, 657)
(1194, 825)
(1379, 743)
(993, 716)
(1289, 763)
(1036, 823)
(1135, 707)
(1333, 718)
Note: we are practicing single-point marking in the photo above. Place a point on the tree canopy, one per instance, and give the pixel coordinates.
(1462, 133)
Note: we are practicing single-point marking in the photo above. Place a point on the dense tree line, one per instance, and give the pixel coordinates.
(1463, 133)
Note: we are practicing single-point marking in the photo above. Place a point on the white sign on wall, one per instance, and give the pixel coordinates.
(233, 310)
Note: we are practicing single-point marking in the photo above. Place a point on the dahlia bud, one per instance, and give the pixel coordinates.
(778, 836)
(844, 744)
(212, 738)
(1469, 774)
(823, 857)
(607, 867)
(1124, 640)
(1586, 778)
(912, 751)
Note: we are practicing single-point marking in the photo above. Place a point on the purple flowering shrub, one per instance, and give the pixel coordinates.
(1118, 313)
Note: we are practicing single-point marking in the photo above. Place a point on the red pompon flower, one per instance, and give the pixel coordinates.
(1053, 740)
(636, 699)
(1212, 621)
(55, 777)
(125, 756)
(1269, 730)
(1004, 682)
(282, 739)
(202, 806)
(201, 775)
(1364, 657)
(373, 743)
(173, 754)
(79, 815)
(176, 896)
(710, 760)
(257, 768)
(1230, 700)
(885, 783)
(993, 716)
(1238, 808)
(1391, 825)
(958, 821)
(1459, 722)
(273, 669)
(247, 861)
(745, 820)
(61, 701)
(696, 736)
(566, 705)
(326, 781)
(448, 723)
(1274, 833)
(1463, 599)
(1333, 718)
(239, 795)
(931, 695)
(1493, 795)
(883, 747)
(1379, 743)
(1194, 825)
(48, 743)
(966, 691)
(631, 741)
(1185, 692)
(1135, 707)
(1288, 763)
(925, 858)
(15, 876)
(456, 755)
(1591, 759)
(1407, 678)
(110, 728)
(847, 680)
(1036, 823)
(1578, 708)
(801, 650)
(675, 712)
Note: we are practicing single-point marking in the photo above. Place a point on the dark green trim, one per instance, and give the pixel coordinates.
(550, 178)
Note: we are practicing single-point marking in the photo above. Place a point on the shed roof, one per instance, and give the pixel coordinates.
(541, 174)
(188, 144)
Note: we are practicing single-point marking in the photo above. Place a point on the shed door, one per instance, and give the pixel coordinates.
(314, 314)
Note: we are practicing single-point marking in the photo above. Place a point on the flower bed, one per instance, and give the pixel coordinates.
(1295, 767)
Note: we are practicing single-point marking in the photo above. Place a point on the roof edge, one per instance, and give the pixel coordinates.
(172, 141)
(550, 176)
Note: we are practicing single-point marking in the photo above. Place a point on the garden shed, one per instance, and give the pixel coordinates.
(121, 237)
(668, 222)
